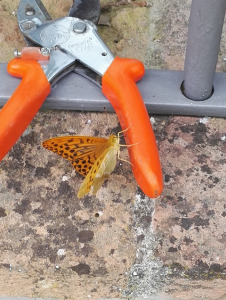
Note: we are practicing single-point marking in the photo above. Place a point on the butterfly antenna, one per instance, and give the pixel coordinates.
(124, 130)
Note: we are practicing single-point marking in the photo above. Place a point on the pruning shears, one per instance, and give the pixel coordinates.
(57, 47)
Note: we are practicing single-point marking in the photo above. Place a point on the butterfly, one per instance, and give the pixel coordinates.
(92, 157)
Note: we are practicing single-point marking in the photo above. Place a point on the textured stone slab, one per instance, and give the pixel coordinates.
(23, 298)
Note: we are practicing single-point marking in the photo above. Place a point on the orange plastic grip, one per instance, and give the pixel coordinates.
(21, 108)
(118, 85)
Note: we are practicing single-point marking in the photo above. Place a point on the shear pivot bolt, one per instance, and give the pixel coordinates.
(27, 25)
(79, 27)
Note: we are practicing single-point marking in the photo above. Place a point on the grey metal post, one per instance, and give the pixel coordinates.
(204, 35)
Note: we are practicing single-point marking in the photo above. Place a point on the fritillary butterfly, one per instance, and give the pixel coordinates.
(92, 157)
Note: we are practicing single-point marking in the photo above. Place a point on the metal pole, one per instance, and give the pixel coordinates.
(204, 35)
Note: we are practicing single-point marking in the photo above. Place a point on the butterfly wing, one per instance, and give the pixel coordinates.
(82, 151)
(92, 157)
(100, 171)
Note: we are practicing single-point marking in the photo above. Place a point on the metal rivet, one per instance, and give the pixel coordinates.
(79, 27)
(45, 51)
(17, 53)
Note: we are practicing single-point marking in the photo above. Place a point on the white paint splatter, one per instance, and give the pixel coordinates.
(65, 178)
(138, 197)
(61, 252)
(135, 274)
(204, 120)
(152, 120)
(71, 130)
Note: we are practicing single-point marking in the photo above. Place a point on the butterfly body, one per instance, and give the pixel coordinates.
(92, 157)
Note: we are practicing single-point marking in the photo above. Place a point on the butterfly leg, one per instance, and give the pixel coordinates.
(122, 145)
(124, 159)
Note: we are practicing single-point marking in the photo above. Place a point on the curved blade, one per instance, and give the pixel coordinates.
(28, 10)
(86, 10)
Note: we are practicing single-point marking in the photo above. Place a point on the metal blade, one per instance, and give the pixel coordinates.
(29, 9)
(43, 10)
(88, 73)
(83, 9)
(86, 10)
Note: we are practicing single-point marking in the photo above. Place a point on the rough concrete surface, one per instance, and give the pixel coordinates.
(117, 244)
(23, 298)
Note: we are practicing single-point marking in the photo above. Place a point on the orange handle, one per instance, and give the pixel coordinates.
(118, 85)
(21, 108)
